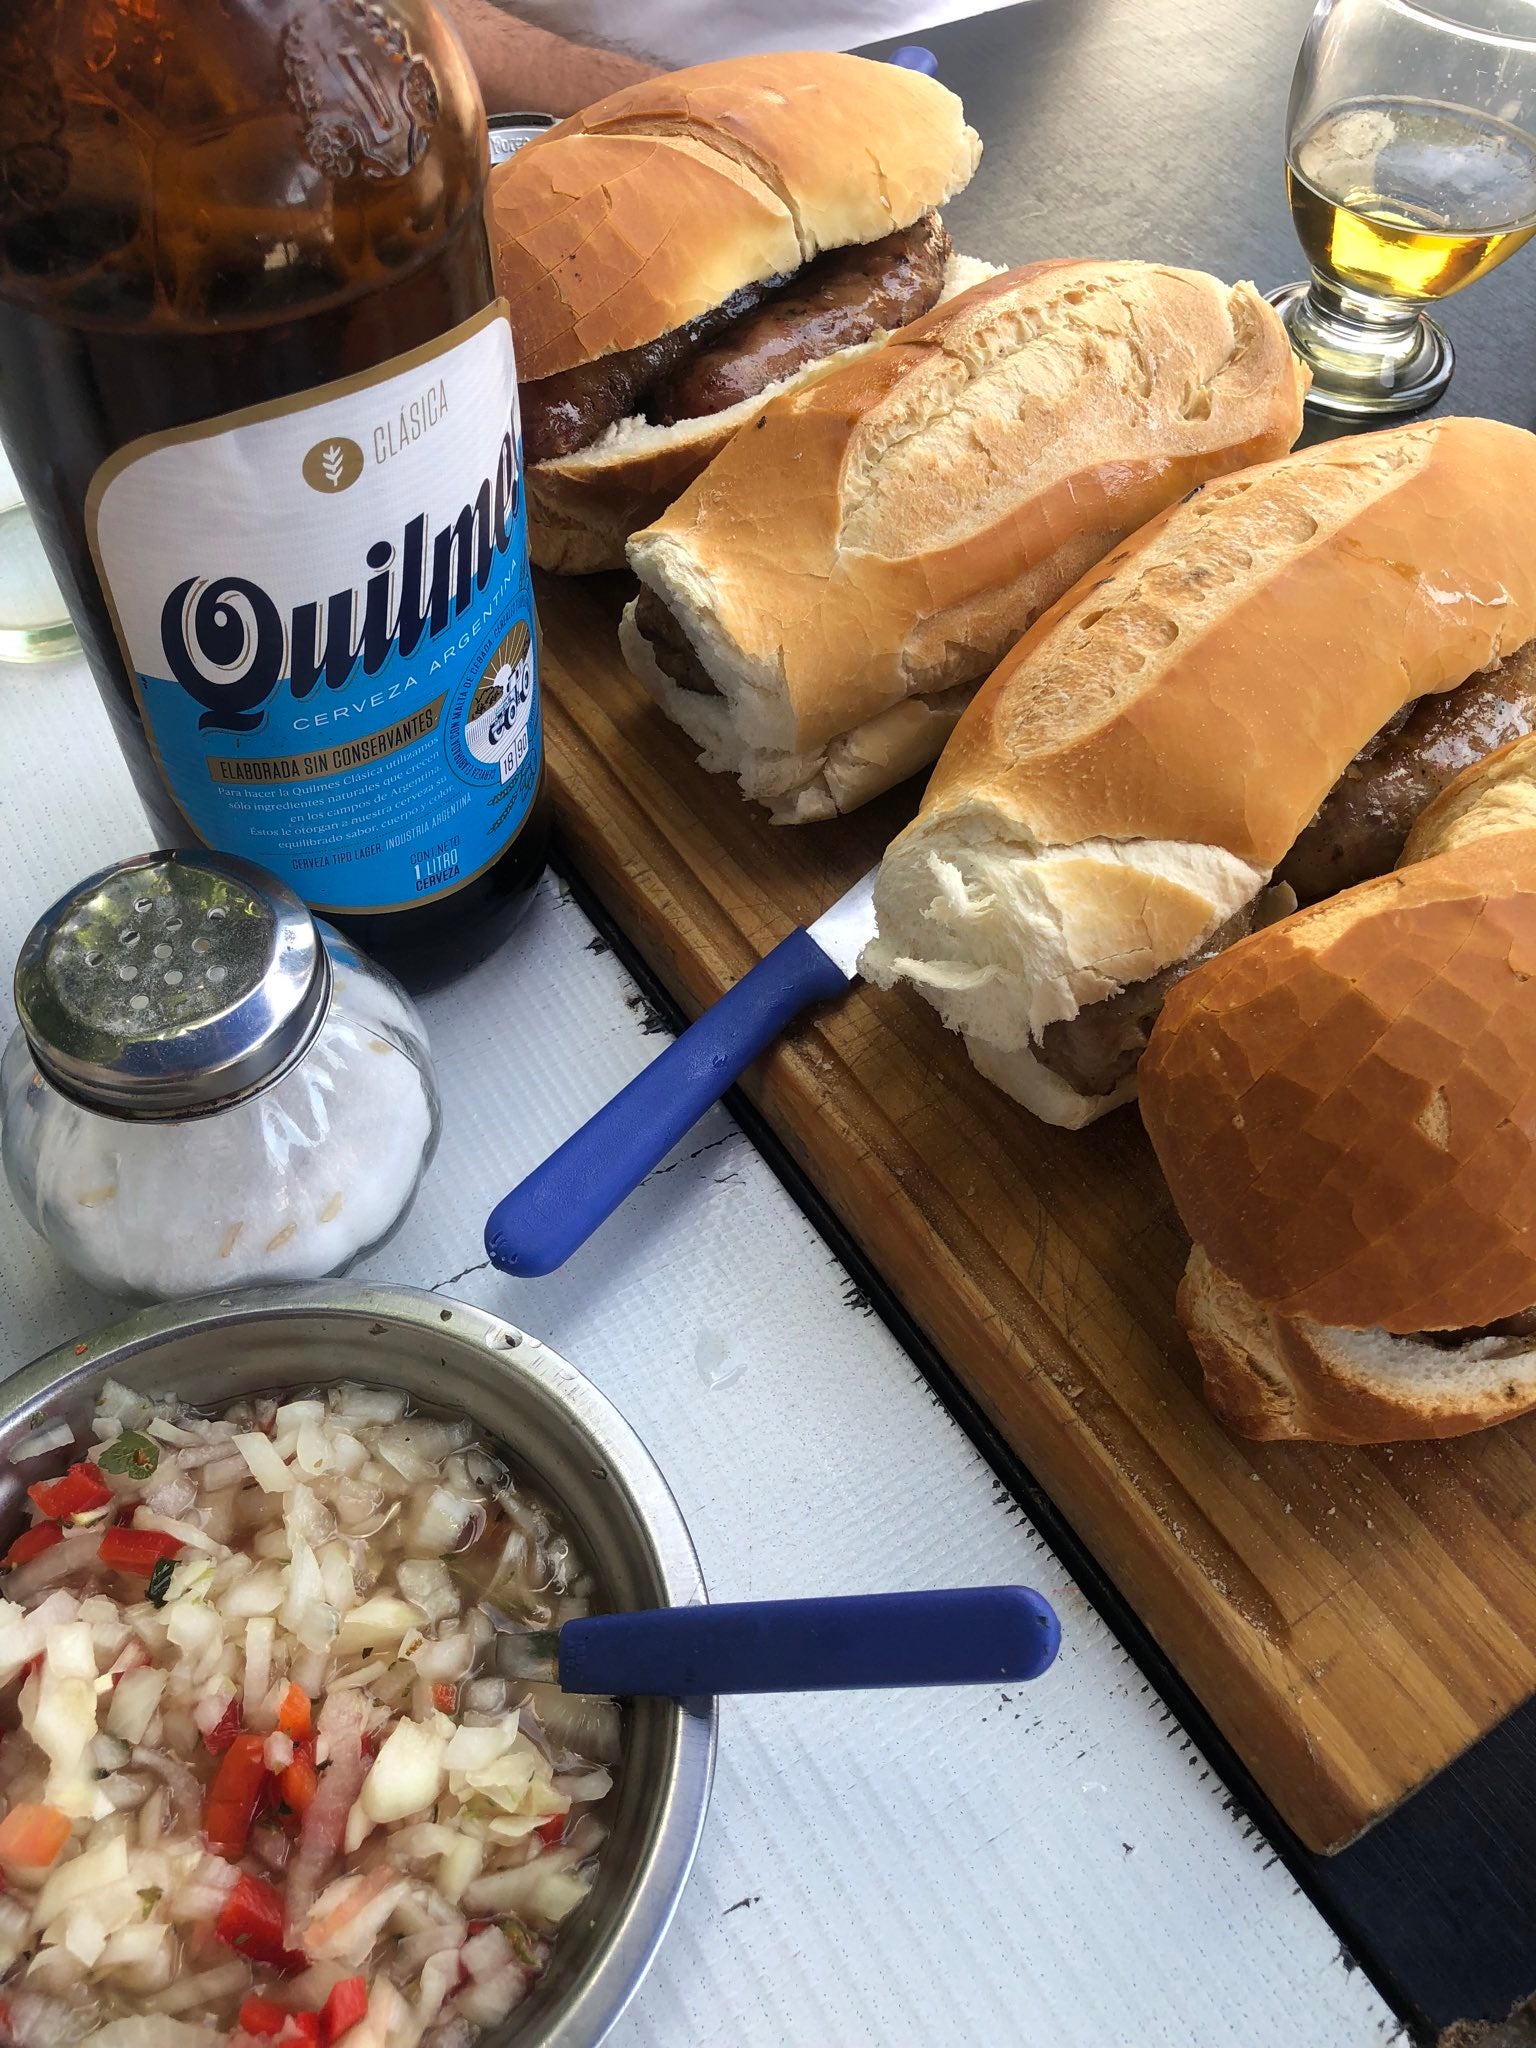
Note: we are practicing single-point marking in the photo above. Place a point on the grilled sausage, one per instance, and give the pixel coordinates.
(1094, 1051)
(759, 334)
(1362, 822)
(568, 411)
(1521, 1328)
(840, 300)
(672, 650)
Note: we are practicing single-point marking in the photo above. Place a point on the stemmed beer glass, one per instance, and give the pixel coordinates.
(1411, 170)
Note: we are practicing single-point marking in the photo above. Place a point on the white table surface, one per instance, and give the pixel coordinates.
(968, 1869)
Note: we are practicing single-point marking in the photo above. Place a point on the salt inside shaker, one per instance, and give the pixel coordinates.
(208, 1087)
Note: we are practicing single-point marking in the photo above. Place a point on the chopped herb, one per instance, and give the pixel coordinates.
(131, 1453)
(160, 1581)
(522, 1943)
(151, 1897)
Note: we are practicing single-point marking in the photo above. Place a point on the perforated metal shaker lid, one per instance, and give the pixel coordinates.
(172, 985)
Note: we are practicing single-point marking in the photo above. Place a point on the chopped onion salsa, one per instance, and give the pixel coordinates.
(260, 1782)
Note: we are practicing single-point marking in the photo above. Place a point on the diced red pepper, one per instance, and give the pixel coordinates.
(82, 1488)
(346, 2005)
(552, 1830)
(302, 2031)
(445, 1697)
(293, 1714)
(297, 1782)
(263, 2016)
(252, 1919)
(234, 1794)
(32, 1543)
(224, 1730)
(137, 1550)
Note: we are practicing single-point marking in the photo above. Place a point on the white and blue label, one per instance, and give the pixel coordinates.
(325, 606)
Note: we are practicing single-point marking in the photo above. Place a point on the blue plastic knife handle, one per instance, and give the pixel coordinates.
(978, 1635)
(556, 1209)
(913, 57)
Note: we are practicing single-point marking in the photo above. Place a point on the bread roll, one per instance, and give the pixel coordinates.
(582, 508)
(1270, 1377)
(1129, 777)
(850, 568)
(654, 205)
(1345, 1109)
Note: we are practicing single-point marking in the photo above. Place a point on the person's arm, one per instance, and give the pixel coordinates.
(526, 69)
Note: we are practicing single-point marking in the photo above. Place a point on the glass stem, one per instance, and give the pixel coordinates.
(1333, 323)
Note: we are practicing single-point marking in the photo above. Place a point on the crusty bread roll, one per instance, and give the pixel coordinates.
(1345, 1108)
(1129, 777)
(1269, 1376)
(848, 571)
(582, 508)
(1500, 796)
(654, 205)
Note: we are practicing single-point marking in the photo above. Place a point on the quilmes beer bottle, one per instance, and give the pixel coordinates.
(260, 393)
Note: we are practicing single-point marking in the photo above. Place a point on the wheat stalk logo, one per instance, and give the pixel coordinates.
(333, 465)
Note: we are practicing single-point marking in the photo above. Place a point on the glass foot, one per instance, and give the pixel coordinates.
(1369, 368)
(34, 624)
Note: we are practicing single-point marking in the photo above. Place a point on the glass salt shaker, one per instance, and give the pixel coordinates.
(208, 1087)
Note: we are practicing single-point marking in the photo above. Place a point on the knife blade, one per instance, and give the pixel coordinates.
(846, 929)
(556, 1208)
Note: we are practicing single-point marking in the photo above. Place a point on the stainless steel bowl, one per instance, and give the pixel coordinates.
(582, 1456)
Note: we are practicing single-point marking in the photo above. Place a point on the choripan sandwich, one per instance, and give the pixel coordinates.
(1345, 1108)
(1120, 799)
(819, 607)
(694, 242)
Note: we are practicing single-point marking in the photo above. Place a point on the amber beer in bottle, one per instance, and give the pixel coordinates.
(260, 393)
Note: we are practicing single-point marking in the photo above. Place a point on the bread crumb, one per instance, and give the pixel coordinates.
(289, 1230)
(229, 1239)
(1434, 1120)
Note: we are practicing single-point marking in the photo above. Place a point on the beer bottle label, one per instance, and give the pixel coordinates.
(324, 604)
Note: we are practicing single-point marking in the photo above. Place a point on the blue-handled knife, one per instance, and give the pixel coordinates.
(556, 1209)
(974, 1635)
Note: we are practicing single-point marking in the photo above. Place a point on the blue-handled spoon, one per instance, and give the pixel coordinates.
(975, 1635)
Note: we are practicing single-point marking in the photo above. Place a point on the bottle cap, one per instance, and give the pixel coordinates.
(172, 985)
(509, 132)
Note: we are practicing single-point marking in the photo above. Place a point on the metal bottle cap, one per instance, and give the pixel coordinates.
(509, 132)
(172, 985)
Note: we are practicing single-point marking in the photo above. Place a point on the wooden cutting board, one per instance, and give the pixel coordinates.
(1352, 1619)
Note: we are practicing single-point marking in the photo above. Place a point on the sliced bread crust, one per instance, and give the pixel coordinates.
(882, 534)
(1130, 775)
